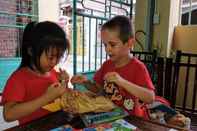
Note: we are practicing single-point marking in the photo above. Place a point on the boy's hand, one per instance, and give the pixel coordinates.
(113, 77)
(55, 90)
(79, 79)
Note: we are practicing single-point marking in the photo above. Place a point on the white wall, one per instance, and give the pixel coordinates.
(174, 20)
(168, 11)
(48, 10)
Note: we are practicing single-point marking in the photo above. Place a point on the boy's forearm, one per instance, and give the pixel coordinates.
(142, 93)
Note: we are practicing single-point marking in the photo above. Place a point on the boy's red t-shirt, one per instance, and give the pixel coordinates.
(24, 86)
(135, 71)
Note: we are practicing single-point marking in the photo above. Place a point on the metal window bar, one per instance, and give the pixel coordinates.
(96, 30)
(190, 12)
(83, 47)
(107, 7)
(188, 9)
(101, 51)
(90, 16)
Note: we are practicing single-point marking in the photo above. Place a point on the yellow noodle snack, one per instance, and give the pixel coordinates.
(77, 102)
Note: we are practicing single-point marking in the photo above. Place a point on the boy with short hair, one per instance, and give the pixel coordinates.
(125, 79)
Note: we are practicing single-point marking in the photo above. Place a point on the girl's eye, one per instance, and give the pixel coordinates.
(50, 58)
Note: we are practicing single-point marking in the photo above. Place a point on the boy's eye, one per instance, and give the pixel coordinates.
(113, 44)
(105, 45)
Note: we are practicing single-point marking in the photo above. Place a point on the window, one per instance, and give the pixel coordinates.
(189, 12)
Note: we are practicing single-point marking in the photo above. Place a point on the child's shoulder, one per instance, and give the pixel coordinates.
(107, 62)
(20, 72)
(138, 63)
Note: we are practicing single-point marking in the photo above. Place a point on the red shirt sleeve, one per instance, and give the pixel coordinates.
(98, 77)
(144, 78)
(14, 89)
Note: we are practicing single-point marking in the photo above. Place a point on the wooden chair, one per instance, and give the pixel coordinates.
(164, 69)
(184, 85)
(185, 79)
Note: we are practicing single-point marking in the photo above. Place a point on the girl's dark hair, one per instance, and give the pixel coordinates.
(122, 24)
(40, 37)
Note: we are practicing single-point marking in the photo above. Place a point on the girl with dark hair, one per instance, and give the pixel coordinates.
(35, 83)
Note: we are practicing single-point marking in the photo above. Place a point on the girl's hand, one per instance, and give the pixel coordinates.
(63, 77)
(69, 101)
(55, 90)
(79, 79)
(113, 77)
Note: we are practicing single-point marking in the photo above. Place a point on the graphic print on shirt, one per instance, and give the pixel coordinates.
(114, 94)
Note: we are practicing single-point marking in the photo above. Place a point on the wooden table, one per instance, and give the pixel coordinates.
(61, 118)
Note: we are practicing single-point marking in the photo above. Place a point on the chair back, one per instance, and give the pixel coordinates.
(164, 68)
(184, 84)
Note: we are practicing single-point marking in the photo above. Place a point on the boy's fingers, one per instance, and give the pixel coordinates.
(61, 70)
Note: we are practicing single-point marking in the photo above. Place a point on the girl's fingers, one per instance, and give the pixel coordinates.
(55, 84)
(63, 73)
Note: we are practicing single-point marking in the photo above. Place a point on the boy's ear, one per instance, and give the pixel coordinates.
(131, 42)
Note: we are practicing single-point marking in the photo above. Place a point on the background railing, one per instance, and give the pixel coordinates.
(87, 18)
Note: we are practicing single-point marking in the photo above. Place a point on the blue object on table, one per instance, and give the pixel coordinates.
(97, 118)
(89, 129)
(165, 108)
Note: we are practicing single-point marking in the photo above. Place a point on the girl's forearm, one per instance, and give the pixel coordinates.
(18, 110)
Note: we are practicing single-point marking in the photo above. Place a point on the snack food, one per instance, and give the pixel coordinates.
(78, 102)
(53, 107)
(82, 103)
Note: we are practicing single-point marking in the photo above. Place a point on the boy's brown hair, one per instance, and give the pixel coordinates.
(122, 24)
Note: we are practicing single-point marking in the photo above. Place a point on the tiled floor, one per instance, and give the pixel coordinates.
(4, 125)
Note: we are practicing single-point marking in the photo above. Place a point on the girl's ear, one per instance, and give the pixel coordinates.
(131, 42)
